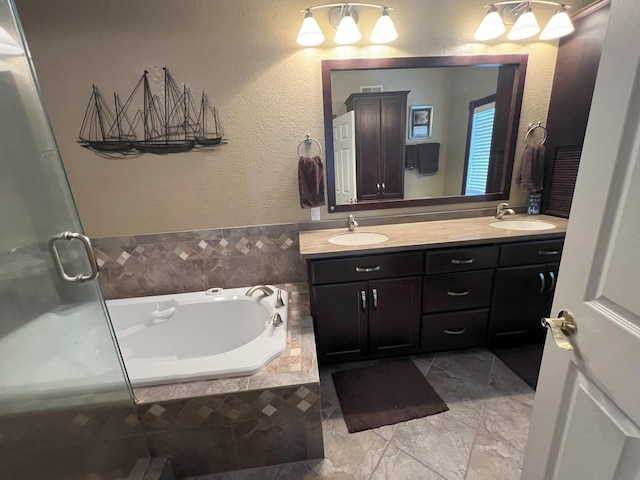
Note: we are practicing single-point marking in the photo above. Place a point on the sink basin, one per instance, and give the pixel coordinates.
(522, 225)
(358, 238)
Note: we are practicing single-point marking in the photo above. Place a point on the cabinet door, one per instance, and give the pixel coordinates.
(340, 316)
(518, 294)
(394, 315)
(393, 128)
(368, 154)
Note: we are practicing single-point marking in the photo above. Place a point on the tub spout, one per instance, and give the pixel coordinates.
(263, 288)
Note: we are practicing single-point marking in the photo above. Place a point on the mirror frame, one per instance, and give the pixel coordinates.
(328, 66)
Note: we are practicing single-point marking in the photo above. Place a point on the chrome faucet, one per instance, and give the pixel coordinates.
(263, 288)
(503, 209)
(352, 223)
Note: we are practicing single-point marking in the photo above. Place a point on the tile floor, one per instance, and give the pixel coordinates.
(481, 437)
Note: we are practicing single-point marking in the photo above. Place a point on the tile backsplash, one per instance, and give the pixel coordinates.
(157, 264)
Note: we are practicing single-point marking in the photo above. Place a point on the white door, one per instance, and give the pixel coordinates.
(344, 157)
(586, 418)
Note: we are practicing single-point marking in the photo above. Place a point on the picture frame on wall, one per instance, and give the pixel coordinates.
(420, 121)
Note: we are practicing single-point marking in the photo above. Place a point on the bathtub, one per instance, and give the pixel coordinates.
(197, 336)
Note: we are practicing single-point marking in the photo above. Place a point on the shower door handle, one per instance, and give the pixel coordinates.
(87, 248)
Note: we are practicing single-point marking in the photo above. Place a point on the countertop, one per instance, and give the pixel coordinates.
(441, 233)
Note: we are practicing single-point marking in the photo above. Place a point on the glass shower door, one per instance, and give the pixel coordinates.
(66, 406)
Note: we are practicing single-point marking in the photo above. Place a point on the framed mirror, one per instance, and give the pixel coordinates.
(413, 131)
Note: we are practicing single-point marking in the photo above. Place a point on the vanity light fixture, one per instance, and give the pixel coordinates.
(8, 46)
(525, 25)
(344, 17)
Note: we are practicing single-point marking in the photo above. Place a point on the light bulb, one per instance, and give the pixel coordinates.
(347, 31)
(491, 26)
(384, 31)
(8, 46)
(526, 26)
(310, 34)
(559, 25)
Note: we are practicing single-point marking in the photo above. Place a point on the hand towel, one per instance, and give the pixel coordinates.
(311, 182)
(424, 155)
(531, 175)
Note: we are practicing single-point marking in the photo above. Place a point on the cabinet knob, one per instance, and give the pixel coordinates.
(562, 328)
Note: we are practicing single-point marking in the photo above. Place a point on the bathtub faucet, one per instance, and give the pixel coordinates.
(263, 288)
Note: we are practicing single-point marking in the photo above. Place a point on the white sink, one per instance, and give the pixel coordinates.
(358, 238)
(522, 225)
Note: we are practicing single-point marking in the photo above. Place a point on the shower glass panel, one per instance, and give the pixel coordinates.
(66, 406)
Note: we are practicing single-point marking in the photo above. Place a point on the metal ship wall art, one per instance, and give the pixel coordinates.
(170, 123)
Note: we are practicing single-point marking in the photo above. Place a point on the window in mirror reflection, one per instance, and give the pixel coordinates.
(481, 115)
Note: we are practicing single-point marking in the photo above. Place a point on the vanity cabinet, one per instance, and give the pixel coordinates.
(524, 286)
(380, 129)
(366, 306)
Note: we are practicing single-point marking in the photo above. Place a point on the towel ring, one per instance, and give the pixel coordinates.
(532, 128)
(308, 141)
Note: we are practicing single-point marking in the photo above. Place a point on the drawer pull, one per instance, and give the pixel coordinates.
(374, 294)
(454, 331)
(542, 282)
(464, 261)
(458, 294)
(548, 252)
(368, 269)
(363, 299)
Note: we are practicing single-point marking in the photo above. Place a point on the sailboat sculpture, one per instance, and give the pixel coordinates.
(103, 131)
(166, 127)
(208, 129)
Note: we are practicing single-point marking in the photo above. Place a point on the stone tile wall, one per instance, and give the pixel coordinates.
(141, 265)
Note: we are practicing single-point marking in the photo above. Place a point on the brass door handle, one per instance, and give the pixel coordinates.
(561, 328)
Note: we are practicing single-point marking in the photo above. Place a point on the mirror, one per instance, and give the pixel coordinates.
(403, 132)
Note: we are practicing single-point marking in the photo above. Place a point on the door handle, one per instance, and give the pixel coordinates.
(363, 300)
(374, 294)
(552, 276)
(561, 328)
(58, 262)
(542, 282)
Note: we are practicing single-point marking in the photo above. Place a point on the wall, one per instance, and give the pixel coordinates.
(267, 88)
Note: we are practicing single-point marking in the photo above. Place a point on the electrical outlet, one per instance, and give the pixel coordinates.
(315, 214)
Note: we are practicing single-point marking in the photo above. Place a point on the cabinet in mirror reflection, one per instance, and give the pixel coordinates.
(376, 160)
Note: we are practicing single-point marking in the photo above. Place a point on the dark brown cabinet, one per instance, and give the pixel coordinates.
(380, 125)
(523, 294)
(373, 317)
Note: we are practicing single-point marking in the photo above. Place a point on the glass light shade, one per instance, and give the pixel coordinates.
(8, 46)
(384, 30)
(526, 26)
(491, 26)
(559, 25)
(347, 31)
(310, 34)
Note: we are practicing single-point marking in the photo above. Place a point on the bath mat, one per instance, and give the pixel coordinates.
(384, 394)
(524, 360)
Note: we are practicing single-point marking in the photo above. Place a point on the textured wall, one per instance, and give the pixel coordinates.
(267, 88)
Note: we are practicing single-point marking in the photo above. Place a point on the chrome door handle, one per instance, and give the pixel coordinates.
(561, 328)
(87, 248)
(374, 293)
(363, 300)
(542, 282)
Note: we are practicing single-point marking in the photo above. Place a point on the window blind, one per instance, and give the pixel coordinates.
(480, 149)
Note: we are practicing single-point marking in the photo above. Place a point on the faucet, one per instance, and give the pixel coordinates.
(352, 223)
(263, 288)
(503, 209)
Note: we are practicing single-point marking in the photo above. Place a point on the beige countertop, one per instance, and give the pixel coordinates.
(409, 236)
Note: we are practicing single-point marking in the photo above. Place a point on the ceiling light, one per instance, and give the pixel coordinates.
(347, 29)
(491, 26)
(525, 25)
(559, 25)
(384, 30)
(310, 34)
(8, 46)
(344, 17)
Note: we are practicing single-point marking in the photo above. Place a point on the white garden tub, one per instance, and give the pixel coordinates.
(195, 336)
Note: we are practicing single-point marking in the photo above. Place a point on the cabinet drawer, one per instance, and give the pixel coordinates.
(454, 330)
(547, 251)
(457, 291)
(461, 259)
(366, 267)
